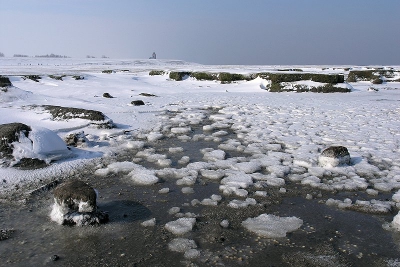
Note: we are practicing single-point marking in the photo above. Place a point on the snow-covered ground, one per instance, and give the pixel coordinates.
(279, 135)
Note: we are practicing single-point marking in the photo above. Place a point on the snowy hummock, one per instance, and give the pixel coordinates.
(41, 143)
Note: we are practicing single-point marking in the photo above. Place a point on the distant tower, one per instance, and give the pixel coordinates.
(154, 56)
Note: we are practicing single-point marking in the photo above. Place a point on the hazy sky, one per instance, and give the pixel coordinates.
(360, 32)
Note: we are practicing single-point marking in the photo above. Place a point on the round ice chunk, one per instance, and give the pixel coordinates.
(396, 222)
(180, 226)
(272, 226)
(143, 176)
(149, 223)
(181, 244)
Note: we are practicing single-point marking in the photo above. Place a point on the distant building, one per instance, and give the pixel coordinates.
(154, 56)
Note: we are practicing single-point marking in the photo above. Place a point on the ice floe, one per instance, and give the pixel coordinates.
(271, 226)
(181, 225)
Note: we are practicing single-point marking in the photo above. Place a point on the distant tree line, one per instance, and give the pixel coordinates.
(89, 56)
(53, 56)
(48, 56)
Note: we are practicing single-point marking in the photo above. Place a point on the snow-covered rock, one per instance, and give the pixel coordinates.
(334, 156)
(75, 204)
(40, 143)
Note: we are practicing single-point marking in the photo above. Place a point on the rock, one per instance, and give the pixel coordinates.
(30, 164)
(55, 258)
(97, 118)
(146, 94)
(75, 204)
(137, 103)
(5, 81)
(334, 156)
(5, 234)
(107, 95)
(76, 139)
(10, 133)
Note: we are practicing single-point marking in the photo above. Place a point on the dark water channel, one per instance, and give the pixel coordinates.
(328, 237)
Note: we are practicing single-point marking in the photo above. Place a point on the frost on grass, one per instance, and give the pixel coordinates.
(271, 226)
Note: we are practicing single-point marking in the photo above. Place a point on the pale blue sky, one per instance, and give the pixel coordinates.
(360, 32)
